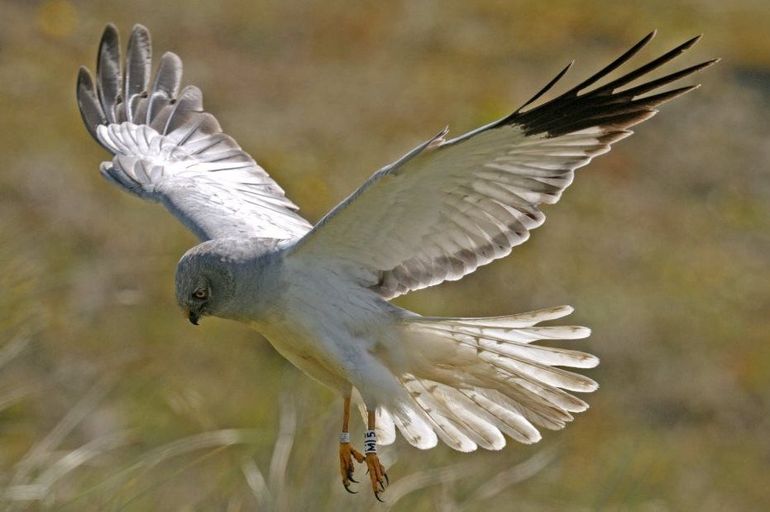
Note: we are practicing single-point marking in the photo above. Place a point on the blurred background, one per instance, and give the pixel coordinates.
(110, 400)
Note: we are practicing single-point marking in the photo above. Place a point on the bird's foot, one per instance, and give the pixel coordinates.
(347, 454)
(377, 474)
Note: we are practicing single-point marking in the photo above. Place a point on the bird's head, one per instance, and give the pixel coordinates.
(204, 282)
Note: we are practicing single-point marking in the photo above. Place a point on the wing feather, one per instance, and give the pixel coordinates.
(168, 149)
(450, 206)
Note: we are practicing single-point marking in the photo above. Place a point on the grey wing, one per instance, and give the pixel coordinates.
(168, 149)
(450, 206)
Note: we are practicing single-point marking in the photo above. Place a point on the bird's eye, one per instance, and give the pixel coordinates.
(201, 293)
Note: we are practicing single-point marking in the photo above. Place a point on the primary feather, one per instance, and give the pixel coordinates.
(450, 206)
(169, 149)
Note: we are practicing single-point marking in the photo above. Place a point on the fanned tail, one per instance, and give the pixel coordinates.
(475, 379)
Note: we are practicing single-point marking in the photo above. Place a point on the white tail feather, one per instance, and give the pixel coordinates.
(475, 379)
(447, 430)
(510, 421)
(479, 427)
(414, 427)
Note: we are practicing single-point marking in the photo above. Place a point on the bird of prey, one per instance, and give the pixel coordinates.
(320, 293)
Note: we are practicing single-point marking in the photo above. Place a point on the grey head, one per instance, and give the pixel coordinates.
(207, 275)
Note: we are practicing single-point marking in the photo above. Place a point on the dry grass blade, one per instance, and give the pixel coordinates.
(420, 480)
(217, 440)
(517, 474)
(257, 484)
(213, 439)
(13, 348)
(40, 452)
(287, 428)
(14, 396)
(41, 488)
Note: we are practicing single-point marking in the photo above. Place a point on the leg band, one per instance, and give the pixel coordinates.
(370, 441)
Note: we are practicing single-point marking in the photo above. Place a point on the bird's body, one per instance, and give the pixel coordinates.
(347, 336)
(325, 326)
(321, 293)
(333, 329)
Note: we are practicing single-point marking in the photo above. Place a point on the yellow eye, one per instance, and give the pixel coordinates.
(201, 293)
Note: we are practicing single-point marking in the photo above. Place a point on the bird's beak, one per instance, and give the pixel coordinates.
(193, 317)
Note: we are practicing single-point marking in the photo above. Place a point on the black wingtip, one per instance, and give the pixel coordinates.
(612, 66)
(650, 66)
(659, 99)
(692, 41)
(547, 87)
(641, 44)
(610, 105)
(699, 67)
(649, 37)
(686, 45)
(655, 84)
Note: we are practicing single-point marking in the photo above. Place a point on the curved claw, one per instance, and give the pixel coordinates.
(377, 495)
(379, 480)
(348, 457)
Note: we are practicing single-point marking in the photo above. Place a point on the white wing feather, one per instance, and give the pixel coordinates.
(450, 206)
(169, 150)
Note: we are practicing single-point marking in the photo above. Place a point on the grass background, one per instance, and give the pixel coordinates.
(109, 400)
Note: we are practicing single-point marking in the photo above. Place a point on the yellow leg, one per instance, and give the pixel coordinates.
(377, 475)
(347, 452)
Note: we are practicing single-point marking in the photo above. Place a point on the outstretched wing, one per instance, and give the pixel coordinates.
(168, 149)
(449, 206)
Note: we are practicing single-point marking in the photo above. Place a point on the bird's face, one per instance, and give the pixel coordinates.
(194, 296)
(203, 287)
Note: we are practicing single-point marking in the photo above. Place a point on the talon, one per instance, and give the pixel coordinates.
(377, 475)
(347, 455)
(377, 495)
(387, 480)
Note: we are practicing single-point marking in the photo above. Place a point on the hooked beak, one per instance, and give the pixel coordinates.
(193, 317)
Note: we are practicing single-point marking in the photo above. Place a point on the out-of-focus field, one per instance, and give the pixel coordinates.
(110, 400)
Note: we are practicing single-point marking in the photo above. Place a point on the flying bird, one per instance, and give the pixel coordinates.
(320, 293)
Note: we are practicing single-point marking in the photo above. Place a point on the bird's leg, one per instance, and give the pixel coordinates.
(376, 471)
(347, 452)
